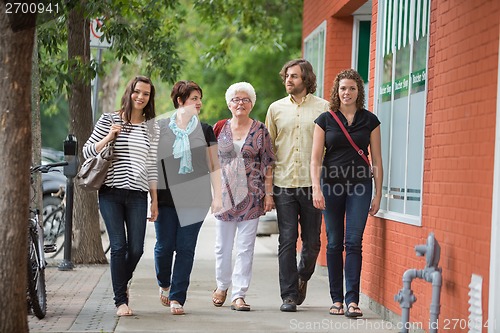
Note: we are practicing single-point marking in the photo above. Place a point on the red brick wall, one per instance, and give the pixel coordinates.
(314, 13)
(459, 148)
(337, 54)
(460, 131)
(338, 34)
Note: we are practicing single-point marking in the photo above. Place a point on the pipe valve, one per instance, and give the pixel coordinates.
(431, 251)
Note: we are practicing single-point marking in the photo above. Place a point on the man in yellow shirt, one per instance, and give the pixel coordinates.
(290, 122)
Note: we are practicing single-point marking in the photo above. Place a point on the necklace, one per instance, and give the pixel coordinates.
(238, 137)
(240, 132)
(349, 117)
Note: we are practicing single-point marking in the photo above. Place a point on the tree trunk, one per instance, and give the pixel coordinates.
(87, 245)
(110, 86)
(16, 47)
(36, 126)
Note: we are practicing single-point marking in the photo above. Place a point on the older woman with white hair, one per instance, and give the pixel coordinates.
(246, 158)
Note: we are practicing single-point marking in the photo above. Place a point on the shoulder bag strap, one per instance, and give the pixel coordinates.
(110, 116)
(218, 127)
(348, 136)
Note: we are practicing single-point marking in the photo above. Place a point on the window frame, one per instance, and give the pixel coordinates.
(377, 101)
(318, 66)
(357, 19)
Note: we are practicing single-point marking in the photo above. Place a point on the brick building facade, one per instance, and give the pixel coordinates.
(432, 73)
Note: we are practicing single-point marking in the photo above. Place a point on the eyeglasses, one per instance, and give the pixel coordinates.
(237, 100)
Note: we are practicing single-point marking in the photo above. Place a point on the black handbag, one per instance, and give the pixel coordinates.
(93, 171)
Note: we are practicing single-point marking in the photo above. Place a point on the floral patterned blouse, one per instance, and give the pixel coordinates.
(243, 172)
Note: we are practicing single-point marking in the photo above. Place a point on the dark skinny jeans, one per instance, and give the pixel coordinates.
(294, 206)
(124, 213)
(351, 201)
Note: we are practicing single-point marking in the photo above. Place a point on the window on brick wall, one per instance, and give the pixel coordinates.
(361, 50)
(401, 87)
(314, 52)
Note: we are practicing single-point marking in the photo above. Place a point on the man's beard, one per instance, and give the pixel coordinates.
(295, 90)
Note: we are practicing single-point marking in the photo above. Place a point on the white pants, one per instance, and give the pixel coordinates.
(240, 276)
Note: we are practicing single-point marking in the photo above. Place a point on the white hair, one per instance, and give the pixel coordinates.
(241, 87)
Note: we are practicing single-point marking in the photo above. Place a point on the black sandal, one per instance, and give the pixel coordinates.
(338, 308)
(353, 314)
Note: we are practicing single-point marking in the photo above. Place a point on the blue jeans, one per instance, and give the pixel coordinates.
(353, 202)
(170, 238)
(124, 213)
(290, 204)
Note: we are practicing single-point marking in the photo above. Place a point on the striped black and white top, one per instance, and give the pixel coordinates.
(134, 164)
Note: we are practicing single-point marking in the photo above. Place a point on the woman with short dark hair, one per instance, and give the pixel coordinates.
(187, 166)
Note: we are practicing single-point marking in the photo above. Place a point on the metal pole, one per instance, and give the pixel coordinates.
(95, 88)
(66, 264)
(70, 171)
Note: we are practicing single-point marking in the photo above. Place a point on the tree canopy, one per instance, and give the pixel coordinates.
(214, 43)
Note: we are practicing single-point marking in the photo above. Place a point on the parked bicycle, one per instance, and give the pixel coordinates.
(54, 226)
(36, 293)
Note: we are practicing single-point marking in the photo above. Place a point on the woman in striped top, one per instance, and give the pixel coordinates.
(124, 194)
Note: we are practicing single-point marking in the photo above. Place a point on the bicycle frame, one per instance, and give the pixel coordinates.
(35, 223)
(36, 292)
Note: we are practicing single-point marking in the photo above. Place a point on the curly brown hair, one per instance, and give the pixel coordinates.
(349, 74)
(126, 109)
(308, 76)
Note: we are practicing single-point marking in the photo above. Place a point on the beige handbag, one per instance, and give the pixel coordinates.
(95, 168)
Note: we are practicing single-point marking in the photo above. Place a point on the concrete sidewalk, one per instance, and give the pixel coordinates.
(82, 301)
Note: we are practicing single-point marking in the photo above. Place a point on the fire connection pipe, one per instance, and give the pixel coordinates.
(431, 273)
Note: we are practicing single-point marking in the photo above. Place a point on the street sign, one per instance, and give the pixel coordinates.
(96, 33)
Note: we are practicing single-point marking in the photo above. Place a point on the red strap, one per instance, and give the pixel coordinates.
(218, 127)
(348, 136)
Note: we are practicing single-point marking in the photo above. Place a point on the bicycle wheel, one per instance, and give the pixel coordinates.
(106, 245)
(53, 230)
(106, 250)
(36, 277)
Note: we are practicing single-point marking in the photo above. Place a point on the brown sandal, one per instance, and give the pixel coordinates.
(240, 307)
(218, 299)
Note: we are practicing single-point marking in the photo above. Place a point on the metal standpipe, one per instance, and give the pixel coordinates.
(431, 273)
(70, 171)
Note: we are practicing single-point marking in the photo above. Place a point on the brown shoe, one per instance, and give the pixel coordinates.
(218, 298)
(240, 306)
(302, 291)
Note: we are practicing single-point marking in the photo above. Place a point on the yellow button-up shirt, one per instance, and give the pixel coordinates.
(291, 127)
